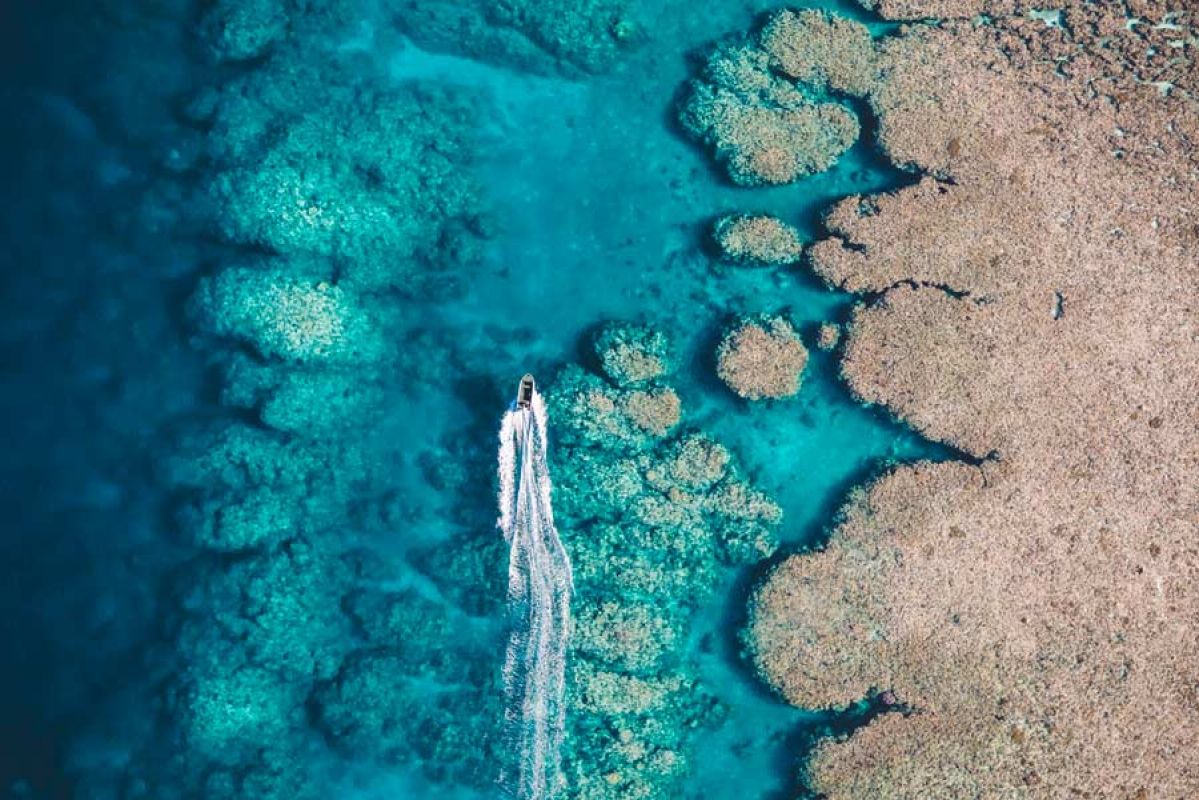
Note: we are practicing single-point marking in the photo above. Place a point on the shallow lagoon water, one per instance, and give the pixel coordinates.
(599, 210)
(602, 212)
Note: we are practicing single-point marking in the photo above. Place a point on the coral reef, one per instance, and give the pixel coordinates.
(764, 128)
(652, 519)
(828, 336)
(768, 106)
(760, 358)
(247, 640)
(287, 647)
(632, 355)
(655, 412)
(387, 198)
(821, 49)
(377, 707)
(1031, 610)
(314, 403)
(594, 412)
(757, 240)
(298, 623)
(283, 313)
(226, 712)
(243, 29)
(546, 36)
(633, 637)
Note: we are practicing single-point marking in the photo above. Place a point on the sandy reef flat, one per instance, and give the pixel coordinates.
(1033, 302)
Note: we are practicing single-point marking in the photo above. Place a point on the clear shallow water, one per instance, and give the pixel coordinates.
(604, 212)
(599, 210)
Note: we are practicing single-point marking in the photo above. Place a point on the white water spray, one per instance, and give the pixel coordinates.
(539, 589)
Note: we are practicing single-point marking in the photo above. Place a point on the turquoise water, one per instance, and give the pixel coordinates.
(305, 535)
(603, 214)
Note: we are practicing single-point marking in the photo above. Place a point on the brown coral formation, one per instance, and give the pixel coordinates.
(828, 336)
(763, 358)
(1038, 310)
(655, 411)
(821, 49)
(764, 128)
(758, 240)
(632, 355)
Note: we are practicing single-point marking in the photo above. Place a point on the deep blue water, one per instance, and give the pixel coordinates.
(596, 208)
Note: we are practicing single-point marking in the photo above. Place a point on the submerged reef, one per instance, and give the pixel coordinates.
(768, 106)
(633, 355)
(240, 30)
(1032, 608)
(286, 310)
(762, 358)
(385, 203)
(285, 635)
(547, 36)
(757, 240)
(828, 336)
(655, 516)
(288, 653)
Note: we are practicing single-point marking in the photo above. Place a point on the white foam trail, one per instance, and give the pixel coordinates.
(539, 590)
(507, 473)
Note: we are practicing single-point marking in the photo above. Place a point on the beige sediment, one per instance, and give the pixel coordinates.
(1039, 308)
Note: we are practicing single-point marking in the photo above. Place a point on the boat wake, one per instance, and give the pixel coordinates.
(539, 590)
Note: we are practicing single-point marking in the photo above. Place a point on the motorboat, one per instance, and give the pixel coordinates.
(524, 392)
